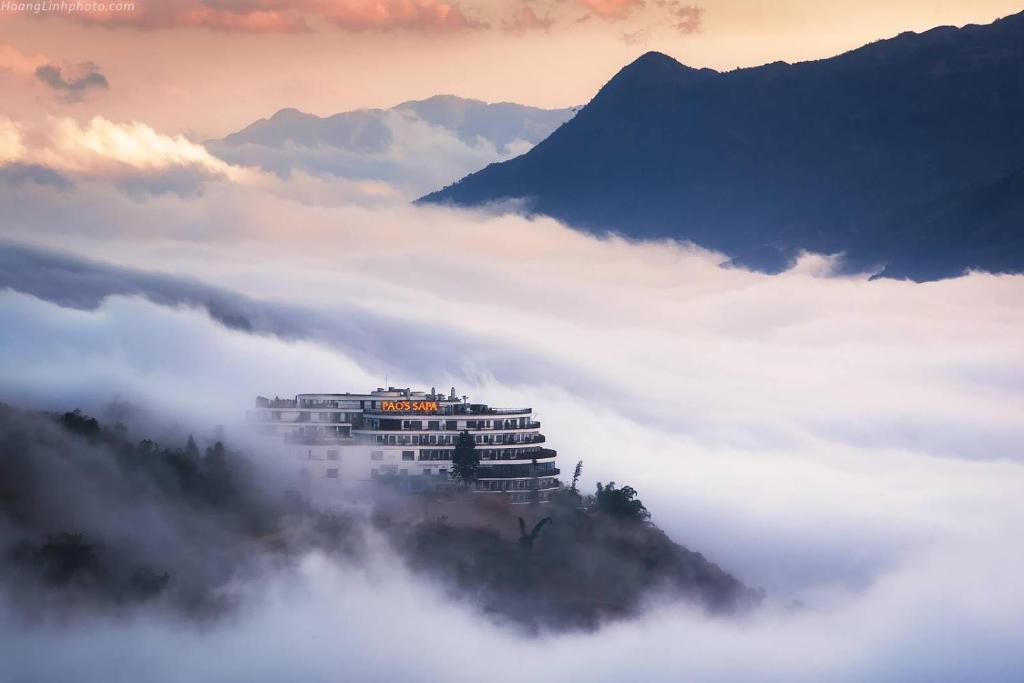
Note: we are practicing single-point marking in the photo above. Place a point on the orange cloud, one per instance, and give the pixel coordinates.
(19, 63)
(248, 17)
(525, 19)
(102, 148)
(637, 37)
(255, 21)
(612, 9)
(687, 18)
(422, 15)
(285, 16)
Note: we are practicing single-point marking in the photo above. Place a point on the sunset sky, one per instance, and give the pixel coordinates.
(207, 68)
(848, 444)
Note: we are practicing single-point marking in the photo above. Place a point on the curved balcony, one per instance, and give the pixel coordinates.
(398, 439)
(509, 454)
(499, 472)
(486, 410)
(503, 486)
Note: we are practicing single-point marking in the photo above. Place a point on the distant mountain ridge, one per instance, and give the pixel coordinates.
(501, 123)
(413, 146)
(906, 154)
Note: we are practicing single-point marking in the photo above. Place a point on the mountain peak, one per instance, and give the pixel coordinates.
(653, 68)
(652, 58)
(867, 153)
(289, 115)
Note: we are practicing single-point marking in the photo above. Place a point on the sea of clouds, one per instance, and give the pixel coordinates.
(846, 444)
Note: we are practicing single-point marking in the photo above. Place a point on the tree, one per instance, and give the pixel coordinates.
(80, 423)
(465, 459)
(576, 476)
(526, 539)
(191, 449)
(620, 503)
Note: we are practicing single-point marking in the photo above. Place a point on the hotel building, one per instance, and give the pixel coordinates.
(405, 439)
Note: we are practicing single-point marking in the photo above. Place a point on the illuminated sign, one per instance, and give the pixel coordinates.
(408, 406)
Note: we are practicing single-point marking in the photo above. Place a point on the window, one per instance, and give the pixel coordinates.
(376, 455)
(442, 472)
(332, 473)
(408, 455)
(433, 425)
(426, 472)
(451, 424)
(332, 454)
(403, 471)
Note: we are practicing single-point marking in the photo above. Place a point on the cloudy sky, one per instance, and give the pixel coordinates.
(849, 443)
(210, 67)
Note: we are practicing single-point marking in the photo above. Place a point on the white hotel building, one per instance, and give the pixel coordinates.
(403, 438)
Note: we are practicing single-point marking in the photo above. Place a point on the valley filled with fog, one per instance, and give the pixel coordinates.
(850, 446)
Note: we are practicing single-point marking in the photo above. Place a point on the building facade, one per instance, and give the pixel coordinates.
(405, 439)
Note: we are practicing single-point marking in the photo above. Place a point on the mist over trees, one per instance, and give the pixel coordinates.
(99, 520)
(93, 520)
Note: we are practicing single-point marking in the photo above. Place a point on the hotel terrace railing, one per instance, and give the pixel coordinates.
(499, 411)
(539, 454)
(392, 439)
(516, 485)
(264, 402)
(317, 439)
(440, 428)
(513, 472)
(303, 419)
(456, 410)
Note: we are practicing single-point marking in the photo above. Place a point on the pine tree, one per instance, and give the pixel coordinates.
(576, 476)
(465, 460)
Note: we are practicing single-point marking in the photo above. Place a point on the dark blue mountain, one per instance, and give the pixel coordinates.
(906, 154)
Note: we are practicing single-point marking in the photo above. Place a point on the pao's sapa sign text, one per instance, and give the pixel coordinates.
(408, 406)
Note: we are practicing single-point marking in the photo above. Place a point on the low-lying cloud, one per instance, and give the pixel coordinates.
(368, 157)
(411, 158)
(131, 156)
(848, 443)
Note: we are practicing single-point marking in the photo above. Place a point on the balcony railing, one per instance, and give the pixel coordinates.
(313, 439)
(501, 411)
(539, 454)
(264, 402)
(501, 486)
(498, 472)
(431, 440)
